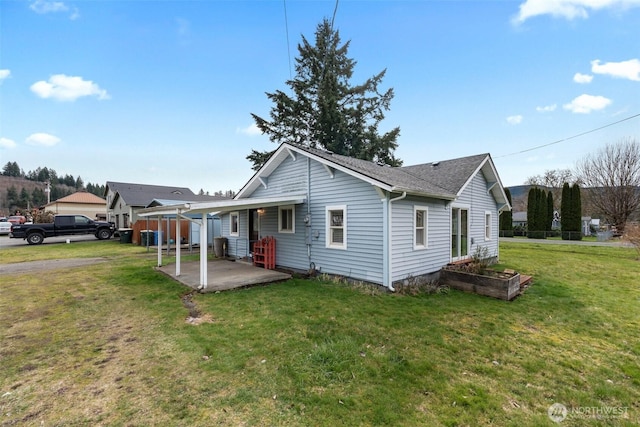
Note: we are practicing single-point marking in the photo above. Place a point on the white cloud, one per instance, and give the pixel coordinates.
(67, 88)
(251, 130)
(43, 7)
(514, 120)
(625, 69)
(585, 104)
(4, 73)
(568, 9)
(546, 108)
(7, 143)
(582, 78)
(42, 139)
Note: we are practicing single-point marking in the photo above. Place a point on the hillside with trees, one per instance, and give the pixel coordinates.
(20, 191)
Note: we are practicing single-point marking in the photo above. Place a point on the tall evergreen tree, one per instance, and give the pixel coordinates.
(506, 218)
(541, 213)
(325, 110)
(531, 213)
(571, 211)
(576, 211)
(549, 211)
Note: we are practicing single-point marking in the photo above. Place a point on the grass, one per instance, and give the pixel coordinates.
(109, 345)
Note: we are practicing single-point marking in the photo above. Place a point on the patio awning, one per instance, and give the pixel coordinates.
(223, 206)
(182, 209)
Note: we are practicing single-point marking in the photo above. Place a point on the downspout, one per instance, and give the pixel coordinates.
(390, 242)
(308, 217)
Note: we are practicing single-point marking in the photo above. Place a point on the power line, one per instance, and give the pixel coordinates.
(571, 137)
(335, 10)
(286, 26)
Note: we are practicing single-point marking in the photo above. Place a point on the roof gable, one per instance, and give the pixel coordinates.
(142, 194)
(385, 177)
(81, 197)
(445, 179)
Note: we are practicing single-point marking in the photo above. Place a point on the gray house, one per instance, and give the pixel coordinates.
(350, 217)
(125, 199)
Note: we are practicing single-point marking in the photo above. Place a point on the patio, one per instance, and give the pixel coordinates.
(223, 275)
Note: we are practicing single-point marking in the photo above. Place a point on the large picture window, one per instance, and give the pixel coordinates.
(286, 219)
(234, 224)
(336, 229)
(420, 226)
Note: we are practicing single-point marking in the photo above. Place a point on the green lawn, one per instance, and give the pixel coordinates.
(109, 345)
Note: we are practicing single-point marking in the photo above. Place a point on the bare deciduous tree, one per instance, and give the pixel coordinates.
(553, 180)
(613, 175)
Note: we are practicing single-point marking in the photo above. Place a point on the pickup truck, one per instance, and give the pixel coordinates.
(63, 225)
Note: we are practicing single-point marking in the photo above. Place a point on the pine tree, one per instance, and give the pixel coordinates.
(565, 212)
(326, 111)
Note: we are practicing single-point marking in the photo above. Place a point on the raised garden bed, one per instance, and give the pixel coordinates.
(488, 282)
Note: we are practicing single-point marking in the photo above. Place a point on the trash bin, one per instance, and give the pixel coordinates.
(219, 245)
(157, 237)
(125, 235)
(146, 237)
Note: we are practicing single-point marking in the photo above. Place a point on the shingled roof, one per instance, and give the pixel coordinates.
(444, 179)
(400, 178)
(142, 194)
(81, 197)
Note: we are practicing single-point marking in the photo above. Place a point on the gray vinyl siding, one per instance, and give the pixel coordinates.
(362, 260)
(237, 246)
(480, 200)
(407, 261)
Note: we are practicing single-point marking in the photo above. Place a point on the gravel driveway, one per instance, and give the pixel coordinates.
(53, 264)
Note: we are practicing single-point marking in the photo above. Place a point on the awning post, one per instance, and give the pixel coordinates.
(203, 252)
(159, 241)
(178, 244)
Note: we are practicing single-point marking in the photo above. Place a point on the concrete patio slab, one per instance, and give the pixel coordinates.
(223, 275)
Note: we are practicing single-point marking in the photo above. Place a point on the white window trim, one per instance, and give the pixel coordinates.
(425, 230)
(488, 226)
(231, 232)
(328, 242)
(293, 219)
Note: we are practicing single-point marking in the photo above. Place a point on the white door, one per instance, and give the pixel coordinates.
(459, 233)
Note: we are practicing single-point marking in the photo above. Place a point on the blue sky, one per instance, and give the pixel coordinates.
(160, 92)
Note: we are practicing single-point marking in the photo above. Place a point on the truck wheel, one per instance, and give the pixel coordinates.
(35, 238)
(103, 234)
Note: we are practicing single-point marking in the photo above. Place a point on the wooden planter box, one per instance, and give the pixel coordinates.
(502, 286)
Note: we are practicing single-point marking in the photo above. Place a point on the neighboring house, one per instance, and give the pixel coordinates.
(124, 200)
(79, 203)
(354, 218)
(519, 219)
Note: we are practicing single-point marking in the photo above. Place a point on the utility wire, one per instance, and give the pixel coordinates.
(286, 26)
(571, 137)
(335, 10)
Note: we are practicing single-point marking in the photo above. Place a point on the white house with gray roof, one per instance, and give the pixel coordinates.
(358, 219)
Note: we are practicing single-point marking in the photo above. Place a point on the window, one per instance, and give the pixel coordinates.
(234, 224)
(81, 220)
(286, 219)
(420, 223)
(487, 225)
(336, 227)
